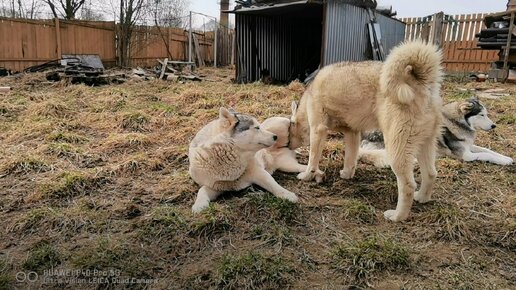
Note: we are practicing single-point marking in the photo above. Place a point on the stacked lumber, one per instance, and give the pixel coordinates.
(496, 35)
(494, 38)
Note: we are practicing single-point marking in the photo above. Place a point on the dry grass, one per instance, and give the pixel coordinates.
(97, 178)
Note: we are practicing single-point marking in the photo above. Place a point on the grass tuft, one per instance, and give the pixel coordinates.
(72, 184)
(357, 210)
(126, 143)
(450, 222)
(507, 119)
(115, 257)
(51, 109)
(42, 256)
(137, 163)
(458, 95)
(33, 218)
(212, 222)
(26, 165)
(5, 279)
(165, 109)
(66, 138)
(163, 222)
(363, 258)
(272, 234)
(280, 209)
(135, 121)
(253, 271)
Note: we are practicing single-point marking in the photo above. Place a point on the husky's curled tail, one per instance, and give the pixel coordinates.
(409, 66)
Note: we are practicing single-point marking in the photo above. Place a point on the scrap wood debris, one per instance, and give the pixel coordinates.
(89, 70)
(177, 70)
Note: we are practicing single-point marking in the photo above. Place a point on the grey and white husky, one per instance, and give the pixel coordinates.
(460, 122)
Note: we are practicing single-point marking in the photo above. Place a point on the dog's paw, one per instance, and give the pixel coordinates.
(505, 161)
(318, 175)
(394, 216)
(347, 174)
(200, 206)
(420, 197)
(290, 196)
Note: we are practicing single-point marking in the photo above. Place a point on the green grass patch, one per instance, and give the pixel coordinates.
(507, 119)
(280, 209)
(253, 271)
(165, 109)
(63, 150)
(71, 184)
(42, 256)
(361, 259)
(385, 188)
(272, 234)
(460, 95)
(211, 223)
(5, 278)
(66, 138)
(26, 165)
(111, 255)
(33, 219)
(163, 222)
(357, 210)
(450, 221)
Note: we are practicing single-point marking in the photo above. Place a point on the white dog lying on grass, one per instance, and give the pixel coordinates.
(228, 155)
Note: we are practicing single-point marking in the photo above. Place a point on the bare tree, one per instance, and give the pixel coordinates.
(21, 8)
(30, 8)
(88, 13)
(130, 13)
(170, 13)
(144, 12)
(67, 9)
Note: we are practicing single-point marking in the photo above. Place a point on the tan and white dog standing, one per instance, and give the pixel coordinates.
(223, 154)
(400, 97)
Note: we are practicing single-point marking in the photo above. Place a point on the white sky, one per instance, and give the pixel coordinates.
(405, 8)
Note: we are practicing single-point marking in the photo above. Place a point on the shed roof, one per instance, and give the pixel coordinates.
(255, 6)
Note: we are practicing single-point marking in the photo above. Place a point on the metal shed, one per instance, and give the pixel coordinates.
(291, 39)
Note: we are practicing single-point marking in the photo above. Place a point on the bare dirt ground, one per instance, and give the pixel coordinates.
(94, 183)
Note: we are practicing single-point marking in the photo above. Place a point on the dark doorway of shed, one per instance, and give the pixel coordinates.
(283, 41)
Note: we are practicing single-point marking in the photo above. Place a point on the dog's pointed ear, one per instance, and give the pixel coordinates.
(227, 117)
(465, 107)
(475, 97)
(293, 108)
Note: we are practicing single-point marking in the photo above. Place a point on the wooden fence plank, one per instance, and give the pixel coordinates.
(460, 51)
(29, 42)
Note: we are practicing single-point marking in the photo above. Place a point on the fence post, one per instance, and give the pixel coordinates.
(58, 38)
(215, 45)
(437, 33)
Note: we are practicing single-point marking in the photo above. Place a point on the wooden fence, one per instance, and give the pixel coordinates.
(25, 43)
(458, 40)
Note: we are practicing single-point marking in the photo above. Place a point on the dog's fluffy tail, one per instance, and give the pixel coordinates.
(411, 67)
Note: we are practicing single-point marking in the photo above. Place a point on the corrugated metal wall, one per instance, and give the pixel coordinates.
(347, 36)
(284, 46)
(262, 43)
(287, 44)
(393, 32)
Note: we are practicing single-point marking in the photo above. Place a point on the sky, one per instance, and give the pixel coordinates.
(405, 8)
